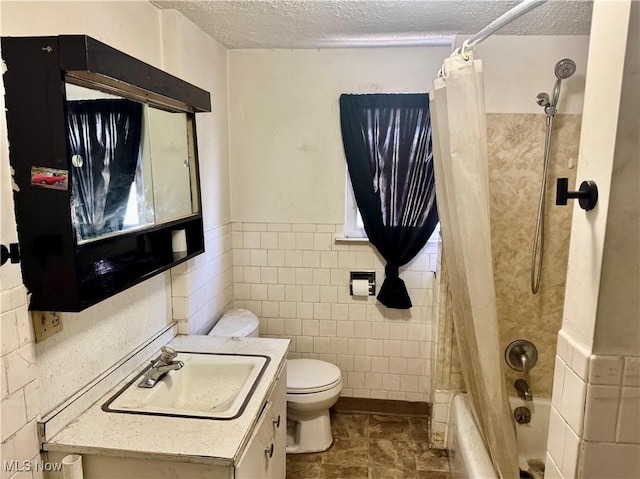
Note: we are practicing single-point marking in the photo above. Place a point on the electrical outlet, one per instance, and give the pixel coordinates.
(45, 324)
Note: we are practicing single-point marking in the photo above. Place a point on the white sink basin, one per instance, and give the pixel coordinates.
(209, 386)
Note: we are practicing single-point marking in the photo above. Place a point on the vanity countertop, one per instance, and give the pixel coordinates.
(162, 437)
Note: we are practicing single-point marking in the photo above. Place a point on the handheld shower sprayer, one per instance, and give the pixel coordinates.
(564, 69)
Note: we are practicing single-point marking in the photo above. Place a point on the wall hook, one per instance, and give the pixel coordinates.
(11, 253)
(587, 195)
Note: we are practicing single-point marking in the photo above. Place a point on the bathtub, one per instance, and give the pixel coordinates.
(468, 457)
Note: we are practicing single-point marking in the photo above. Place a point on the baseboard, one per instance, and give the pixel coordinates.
(382, 406)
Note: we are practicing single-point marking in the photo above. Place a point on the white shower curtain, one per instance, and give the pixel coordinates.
(462, 189)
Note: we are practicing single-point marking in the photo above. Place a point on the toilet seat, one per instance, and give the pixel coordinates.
(306, 376)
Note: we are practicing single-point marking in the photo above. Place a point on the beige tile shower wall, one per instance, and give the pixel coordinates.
(515, 168)
(516, 143)
(295, 277)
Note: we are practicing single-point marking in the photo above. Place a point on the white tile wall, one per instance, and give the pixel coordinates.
(556, 437)
(606, 370)
(594, 428)
(601, 412)
(570, 454)
(440, 406)
(611, 461)
(295, 277)
(19, 404)
(628, 427)
(631, 375)
(558, 382)
(613, 400)
(551, 470)
(573, 396)
(202, 288)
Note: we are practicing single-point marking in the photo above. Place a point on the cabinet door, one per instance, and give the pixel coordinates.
(279, 424)
(255, 462)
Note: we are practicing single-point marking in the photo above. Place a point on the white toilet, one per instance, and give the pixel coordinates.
(313, 386)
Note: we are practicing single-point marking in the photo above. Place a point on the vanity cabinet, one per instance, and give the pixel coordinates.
(265, 454)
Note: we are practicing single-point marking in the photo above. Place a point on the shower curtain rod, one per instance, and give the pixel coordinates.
(500, 22)
(503, 20)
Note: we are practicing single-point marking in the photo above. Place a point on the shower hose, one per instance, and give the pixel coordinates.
(537, 253)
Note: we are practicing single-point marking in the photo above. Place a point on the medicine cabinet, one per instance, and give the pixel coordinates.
(106, 168)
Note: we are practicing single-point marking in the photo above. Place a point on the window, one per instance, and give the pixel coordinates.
(387, 144)
(353, 225)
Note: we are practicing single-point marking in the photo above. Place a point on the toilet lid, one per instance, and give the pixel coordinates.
(237, 322)
(311, 375)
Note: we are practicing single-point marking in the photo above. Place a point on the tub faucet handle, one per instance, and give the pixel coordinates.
(525, 364)
(521, 355)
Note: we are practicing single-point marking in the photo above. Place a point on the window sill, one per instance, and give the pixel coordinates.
(345, 239)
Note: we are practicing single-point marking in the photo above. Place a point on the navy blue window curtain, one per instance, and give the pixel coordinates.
(106, 134)
(387, 143)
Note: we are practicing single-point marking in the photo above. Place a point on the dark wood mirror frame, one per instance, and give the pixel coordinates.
(60, 274)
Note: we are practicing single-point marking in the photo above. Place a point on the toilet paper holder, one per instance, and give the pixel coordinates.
(370, 276)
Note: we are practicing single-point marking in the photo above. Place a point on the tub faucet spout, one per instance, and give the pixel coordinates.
(524, 391)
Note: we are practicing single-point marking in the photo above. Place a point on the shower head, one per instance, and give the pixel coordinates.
(564, 68)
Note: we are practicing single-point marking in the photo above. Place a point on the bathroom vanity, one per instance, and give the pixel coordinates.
(246, 445)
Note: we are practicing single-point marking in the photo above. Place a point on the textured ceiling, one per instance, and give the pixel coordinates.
(335, 23)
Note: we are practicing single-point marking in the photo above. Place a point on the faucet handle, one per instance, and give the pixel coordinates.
(168, 354)
(521, 355)
(524, 359)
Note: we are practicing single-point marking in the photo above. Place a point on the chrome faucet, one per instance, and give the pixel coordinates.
(160, 366)
(522, 355)
(524, 391)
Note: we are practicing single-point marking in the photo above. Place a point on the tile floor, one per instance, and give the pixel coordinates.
(373, 447)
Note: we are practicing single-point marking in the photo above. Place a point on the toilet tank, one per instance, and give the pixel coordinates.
(238, 323)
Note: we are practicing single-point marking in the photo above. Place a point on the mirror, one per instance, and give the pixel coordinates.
(103, 147)
(132, 163)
